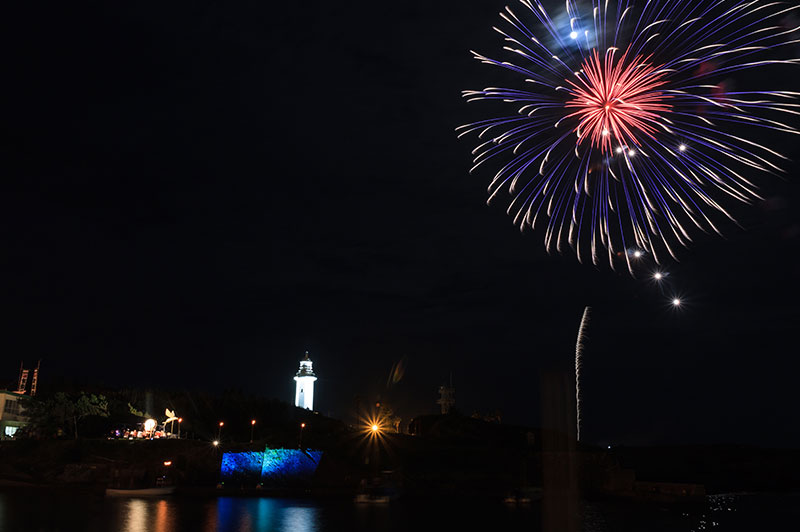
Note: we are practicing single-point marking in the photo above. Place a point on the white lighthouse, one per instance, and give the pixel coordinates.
(304, 380)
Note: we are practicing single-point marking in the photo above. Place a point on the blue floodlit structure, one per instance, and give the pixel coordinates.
(241, 467)
(272, 467)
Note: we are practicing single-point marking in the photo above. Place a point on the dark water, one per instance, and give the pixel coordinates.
(35, 511)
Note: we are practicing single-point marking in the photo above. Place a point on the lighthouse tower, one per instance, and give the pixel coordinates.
(304, 379)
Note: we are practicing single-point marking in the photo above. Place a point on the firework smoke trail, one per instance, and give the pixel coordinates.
(624, 132)
(578, 362)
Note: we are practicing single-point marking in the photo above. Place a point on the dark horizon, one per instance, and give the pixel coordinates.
(196, 195)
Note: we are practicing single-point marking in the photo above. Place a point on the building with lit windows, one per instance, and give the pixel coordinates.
(12, 417)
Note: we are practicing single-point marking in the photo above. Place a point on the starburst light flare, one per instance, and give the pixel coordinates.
(626, 130)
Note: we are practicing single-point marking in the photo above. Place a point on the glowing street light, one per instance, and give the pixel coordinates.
(374, 428)
(219, 432)
(676, 302)
(149, 427)
(658, 276)
(215, 443)
(300, 439)
(180, 420)
(682, 147)
(252, 427)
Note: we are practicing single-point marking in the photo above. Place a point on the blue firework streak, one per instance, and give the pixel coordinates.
(623, 134)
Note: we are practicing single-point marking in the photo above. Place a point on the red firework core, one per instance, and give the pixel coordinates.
(617, 100)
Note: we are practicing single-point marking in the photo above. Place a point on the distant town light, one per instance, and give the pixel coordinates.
(168, 463)
(215, 442)
(682, 147)
(676, 302)
(221, 423)
(252, 421)
(658, 276)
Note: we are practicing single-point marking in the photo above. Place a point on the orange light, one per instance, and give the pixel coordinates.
(180, 420)
(221, 423)
(252, 421)
(168, 463)
(302, 425)
(375, 428)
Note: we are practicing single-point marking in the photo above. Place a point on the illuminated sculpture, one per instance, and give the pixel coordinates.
(304, 379)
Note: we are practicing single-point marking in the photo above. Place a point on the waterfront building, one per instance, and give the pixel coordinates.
(12, 417)
(304, 385)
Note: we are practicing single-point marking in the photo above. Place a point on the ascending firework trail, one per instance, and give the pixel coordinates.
(578, 362)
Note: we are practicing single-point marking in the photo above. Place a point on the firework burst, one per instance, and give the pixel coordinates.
(625, 132)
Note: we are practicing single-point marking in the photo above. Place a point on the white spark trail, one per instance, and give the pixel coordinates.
(578, 363)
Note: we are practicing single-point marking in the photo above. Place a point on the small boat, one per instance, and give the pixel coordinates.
(371, 498)
(143, 492)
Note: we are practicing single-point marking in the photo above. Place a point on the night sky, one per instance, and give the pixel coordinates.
(194, 195)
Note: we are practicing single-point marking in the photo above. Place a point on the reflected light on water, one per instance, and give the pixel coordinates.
(137, 516)
(162, 517)
(145, 515)
(251, 515)
(299, 519)
(264, 514)
(65, 512)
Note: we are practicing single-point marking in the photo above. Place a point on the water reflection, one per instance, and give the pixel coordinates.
(136, 520)
(60, 511)
(163, 523)
(147, 515)
(300, 519)
(252, 515)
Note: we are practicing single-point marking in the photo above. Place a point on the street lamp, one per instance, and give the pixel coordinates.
(252, 427)
(180, 420)
(219, 432)
(302, 426)
(150, 427)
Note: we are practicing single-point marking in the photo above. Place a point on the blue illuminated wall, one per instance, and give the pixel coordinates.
(273, 467)
(286, 465)
(241, 467)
